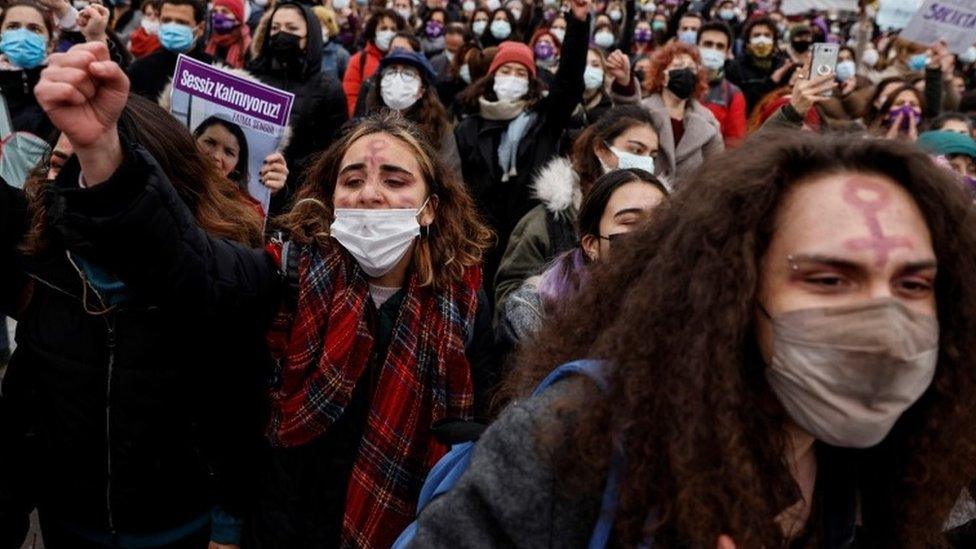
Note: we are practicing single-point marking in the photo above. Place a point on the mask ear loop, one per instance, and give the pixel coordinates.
(424, 229)
(84, 291)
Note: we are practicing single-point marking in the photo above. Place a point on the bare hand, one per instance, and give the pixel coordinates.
(59, 7)
(725, 542)
(780, 73)
(941, 58)
(807, 93)
(580, 9)
(83, 93)
(93, 21)
(895, 127)
(618, 66)
(274, 172)
(912, 134)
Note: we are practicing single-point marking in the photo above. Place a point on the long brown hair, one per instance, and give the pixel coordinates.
(214, 200)
(688, 402)
(458, 237)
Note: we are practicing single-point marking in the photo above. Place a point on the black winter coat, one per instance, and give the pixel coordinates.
(504, 204)
(17, 88)
(754, 82)
(150, 74)
(144, 418)
(319, 110)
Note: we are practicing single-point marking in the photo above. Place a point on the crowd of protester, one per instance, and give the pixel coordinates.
(633, 271)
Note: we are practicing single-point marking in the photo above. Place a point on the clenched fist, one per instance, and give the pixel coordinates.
(83, 92)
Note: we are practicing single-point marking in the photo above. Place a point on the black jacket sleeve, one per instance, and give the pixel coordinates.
(138, 228)
(630, 21)
(933, 92)
(483, 356)
(567, 90)
(14, 220)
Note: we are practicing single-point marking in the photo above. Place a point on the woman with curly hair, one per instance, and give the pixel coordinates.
(386, 333)
(689, 133)
(787, 358)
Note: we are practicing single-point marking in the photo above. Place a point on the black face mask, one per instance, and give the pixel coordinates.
(800, 46)
(682, 82)
(285, 47)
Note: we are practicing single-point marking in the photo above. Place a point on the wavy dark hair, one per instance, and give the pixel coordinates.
(456, 240)
(606, 128)
(701, 432)
(880, 119)
(870, 110)
(428, 113)
(213, 199)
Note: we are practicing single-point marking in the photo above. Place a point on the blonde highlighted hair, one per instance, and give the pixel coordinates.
(456, 240)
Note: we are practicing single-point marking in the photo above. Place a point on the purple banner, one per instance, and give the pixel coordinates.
(227, 90)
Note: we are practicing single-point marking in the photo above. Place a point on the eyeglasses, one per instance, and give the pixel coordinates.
(402, 72)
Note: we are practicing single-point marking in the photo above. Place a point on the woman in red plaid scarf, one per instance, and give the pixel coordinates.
(385, 332)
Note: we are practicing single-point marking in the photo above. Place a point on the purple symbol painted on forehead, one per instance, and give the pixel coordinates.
(881, 244)
(373, 157)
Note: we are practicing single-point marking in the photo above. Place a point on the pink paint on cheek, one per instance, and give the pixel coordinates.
(877, 241)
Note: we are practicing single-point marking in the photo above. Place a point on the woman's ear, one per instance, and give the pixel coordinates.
(591, 247)
(430, 212)
(605, 155)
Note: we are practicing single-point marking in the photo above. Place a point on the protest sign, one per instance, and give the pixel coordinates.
(796, 7)
(895, 14)
(951, 20)
(223, 109)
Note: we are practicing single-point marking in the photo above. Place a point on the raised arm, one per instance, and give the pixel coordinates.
(129, 217)
(567, 89)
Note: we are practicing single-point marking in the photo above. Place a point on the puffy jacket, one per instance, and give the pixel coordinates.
(504, 203)
(140, 419)
(17, 88)
(362, 65)
(317, 113)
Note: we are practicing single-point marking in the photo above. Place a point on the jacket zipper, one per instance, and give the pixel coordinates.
(110, 340)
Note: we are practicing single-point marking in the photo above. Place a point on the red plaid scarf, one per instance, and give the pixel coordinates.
(323, 347)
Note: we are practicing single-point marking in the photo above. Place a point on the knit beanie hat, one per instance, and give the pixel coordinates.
(513, 52)
(945, 142)
(235, 6)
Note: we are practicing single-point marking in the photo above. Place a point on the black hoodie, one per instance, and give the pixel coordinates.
(320, 105)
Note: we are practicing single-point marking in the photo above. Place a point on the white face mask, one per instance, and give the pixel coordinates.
(340, 4)
(510, 88)
(869, 58)
(465, 73)
(383, 39)
(493, 5)
(559, 33)
(501, 29)
(478, 27)
(593, 78)
(627, 160)
(405, 13)
(616, 15)
(376, 239)
(468, 6)
(399, 91)
(516, 12)
(151, 27)
(604, 39)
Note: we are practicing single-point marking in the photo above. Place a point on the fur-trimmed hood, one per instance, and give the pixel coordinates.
(557, 186)
(165, 102)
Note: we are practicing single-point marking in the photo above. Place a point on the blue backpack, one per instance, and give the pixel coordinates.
(449, 469)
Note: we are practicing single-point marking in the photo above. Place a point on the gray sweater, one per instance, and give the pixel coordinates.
(509, 496)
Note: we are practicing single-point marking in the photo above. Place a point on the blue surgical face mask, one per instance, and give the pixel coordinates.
(845, 70)
(712, 58)
(918, 61)
(24, 48)
(968, 56)
(175, 37)
(627, 160)
(500, 29)
(689, 37)
(465, 73)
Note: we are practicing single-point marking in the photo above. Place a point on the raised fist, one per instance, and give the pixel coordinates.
(83, 93)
